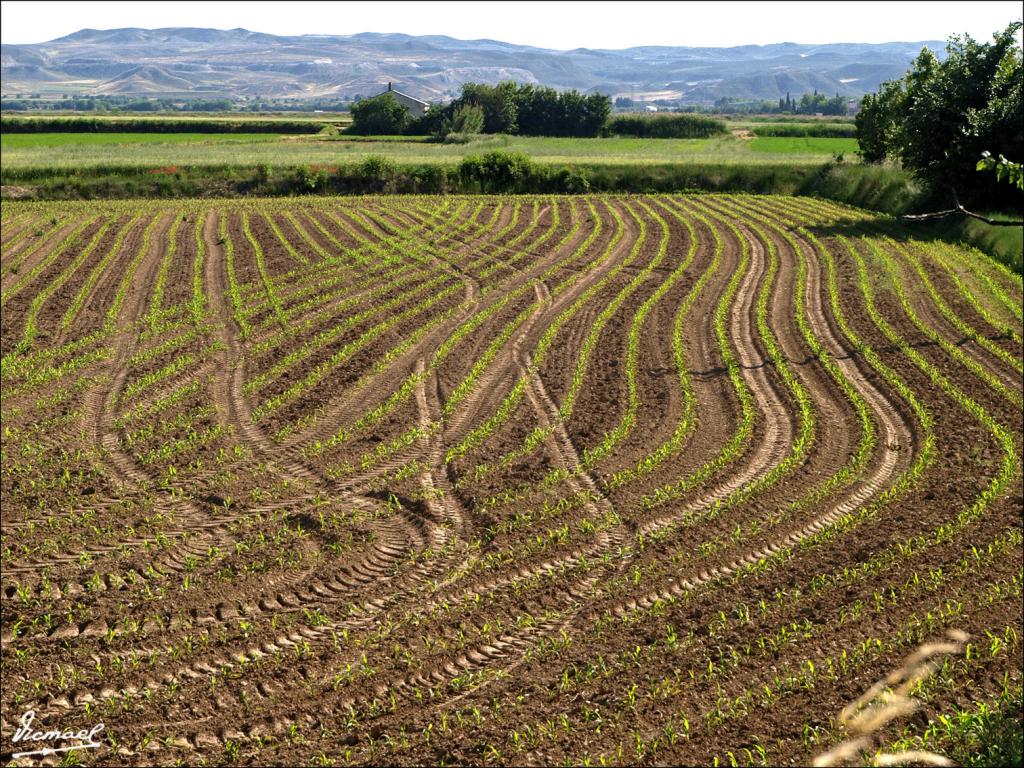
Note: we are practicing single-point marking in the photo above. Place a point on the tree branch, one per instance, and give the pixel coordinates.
(960, 209)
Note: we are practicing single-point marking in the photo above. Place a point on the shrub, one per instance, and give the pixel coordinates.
(468, 118)
(822, 130)
(308, 179)
(382, 115)
(665, 126)
(376, 173)
(496, 171)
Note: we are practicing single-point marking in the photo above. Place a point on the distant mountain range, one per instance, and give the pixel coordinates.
(192, 62)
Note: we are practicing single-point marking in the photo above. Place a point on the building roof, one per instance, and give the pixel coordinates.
(405, 96)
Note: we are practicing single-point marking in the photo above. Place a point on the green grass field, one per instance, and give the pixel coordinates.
(802, 145)
(155, 150)
(12, 141)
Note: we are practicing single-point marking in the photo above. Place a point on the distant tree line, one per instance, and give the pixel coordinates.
(665, 126)
(940, 117)
(813, 104)
(525, 110)
(818, 130)
(153, 125)
(805, 104)
(127, 103)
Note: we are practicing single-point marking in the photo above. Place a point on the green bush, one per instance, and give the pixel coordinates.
(380, 116)
(665, 126)
(821, 130)
(468, 118)
(375, 173)
(496, 171)
(308, 179)
(153, 125)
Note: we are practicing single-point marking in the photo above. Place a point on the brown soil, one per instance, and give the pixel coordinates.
(219, 588)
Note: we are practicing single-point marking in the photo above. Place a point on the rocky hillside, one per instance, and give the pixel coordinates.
(204, 62)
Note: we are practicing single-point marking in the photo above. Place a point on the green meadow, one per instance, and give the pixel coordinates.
(77, 150)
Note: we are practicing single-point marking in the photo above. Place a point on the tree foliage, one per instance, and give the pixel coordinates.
(380, 116)
(939, 118)
(666, 126)
(527, 110)
(1012, 172)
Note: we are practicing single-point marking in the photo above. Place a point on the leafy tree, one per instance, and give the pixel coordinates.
(498, 103)
(941, 116)
(469, 118)
(496, 171)
(527, 110)
(381, 115)
(879, 121)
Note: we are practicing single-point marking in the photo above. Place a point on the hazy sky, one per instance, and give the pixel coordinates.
(559, 25)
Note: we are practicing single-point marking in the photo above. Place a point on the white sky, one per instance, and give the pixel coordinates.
(558, 25)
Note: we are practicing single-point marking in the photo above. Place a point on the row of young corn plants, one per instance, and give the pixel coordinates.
(883, 569)
(397, 274)
(940, 256)
(570, 502)
(625, 670)
(316, 282)
(24, 375)
(326, 336)
(320, 371)
(906, 252)
(511, 495)
(332, 270)
(53, 251)
(18, 253)
(408, 386)
(323, 309)
(819, 491)
(478, 435)
(688, 405)
(296, 282)
(359, 256)
(455, 626)
(566, 409)
(809, 677)
(411, 269)
(744, 488)
(583, 300)
(465, 386)
(867, 441)
(30, 329)
(953, 350)
(612, 438)
(156, 304)
(590, 456)
(268, 287)
(1006, 287)
(1010, 464)
(370, 310)
(405, 390)
(113, 316)
(224, 239)
(518, 255)
(286, 244)
(14, 225)
(737, 441)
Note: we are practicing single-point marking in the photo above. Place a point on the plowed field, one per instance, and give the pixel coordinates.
(583, 480)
